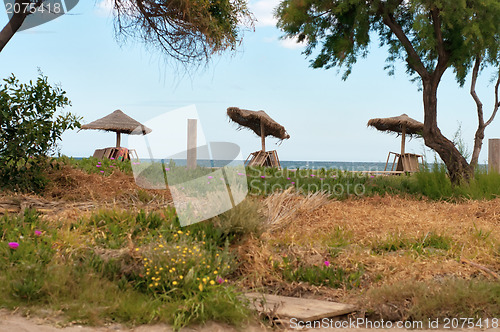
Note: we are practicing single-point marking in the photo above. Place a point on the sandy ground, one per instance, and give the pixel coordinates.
(12, 322)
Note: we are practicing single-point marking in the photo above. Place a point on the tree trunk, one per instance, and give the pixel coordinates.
(457, 166)
(478, 144)
(15, 22)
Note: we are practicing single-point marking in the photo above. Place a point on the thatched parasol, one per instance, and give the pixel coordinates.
(259, 122)
(118, 122)
(402, 124)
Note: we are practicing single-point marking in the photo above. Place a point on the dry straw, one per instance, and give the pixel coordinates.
(283, 207)
(118, 122)
(397, 123)
(253, 120)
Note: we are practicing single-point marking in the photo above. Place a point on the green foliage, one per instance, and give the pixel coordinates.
(185, 30)
(343, 30)
(459, 142)
(30, 130)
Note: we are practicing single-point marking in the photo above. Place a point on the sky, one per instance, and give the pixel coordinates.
(325, 116)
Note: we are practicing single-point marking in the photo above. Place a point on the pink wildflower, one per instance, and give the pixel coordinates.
(13, 245)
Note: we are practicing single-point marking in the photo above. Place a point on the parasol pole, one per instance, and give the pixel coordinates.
(262, 136)
(118, 139)
(403, 134)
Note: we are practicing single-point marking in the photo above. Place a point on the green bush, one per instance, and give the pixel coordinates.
(30, 130)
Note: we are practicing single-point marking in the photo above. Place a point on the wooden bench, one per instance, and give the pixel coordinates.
(263, 159)
(115, 153)
(407, 162)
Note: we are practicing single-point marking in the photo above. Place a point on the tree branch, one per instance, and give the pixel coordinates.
(414, 59)
(17, 20)
(14, 23)
(473, 93)
(497, 103)
(443, 55)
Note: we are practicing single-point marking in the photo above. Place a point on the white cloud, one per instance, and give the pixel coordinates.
(291, 43)
(104, 8)
(263, 11)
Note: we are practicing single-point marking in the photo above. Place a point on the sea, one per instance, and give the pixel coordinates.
(296, 164)
(289, 164)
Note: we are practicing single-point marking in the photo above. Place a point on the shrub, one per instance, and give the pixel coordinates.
(28, 130)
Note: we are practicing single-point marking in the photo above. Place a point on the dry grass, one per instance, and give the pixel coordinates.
(75, 185)
(345, 233)
(282, 208)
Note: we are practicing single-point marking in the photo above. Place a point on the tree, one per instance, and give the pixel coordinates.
(189, 31)
(481, 126)
(30, 130)
(429, 35)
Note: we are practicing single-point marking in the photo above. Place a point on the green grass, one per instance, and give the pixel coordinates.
(323, 275)
(94, 165)
(124, 266)
(431, 183)
(419, 245)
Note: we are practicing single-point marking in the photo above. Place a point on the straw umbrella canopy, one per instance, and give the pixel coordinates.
(259, 122)
(402, 124)
(120, 123)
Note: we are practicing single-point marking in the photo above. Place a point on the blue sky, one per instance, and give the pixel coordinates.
(325, 116)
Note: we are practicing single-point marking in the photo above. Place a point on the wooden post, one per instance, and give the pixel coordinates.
(191, 144)
(118, 139)
(263, 136)
(403, 136)
(403, 141)
(494, 155)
